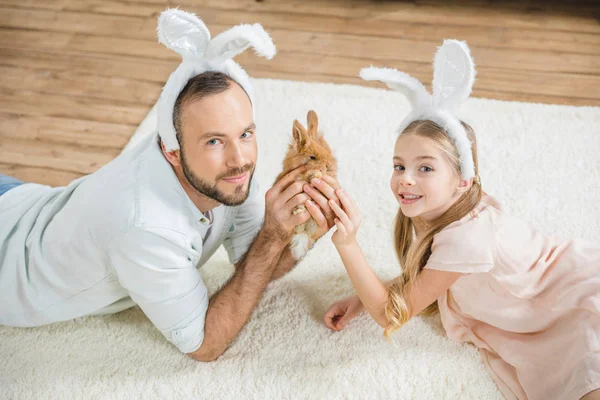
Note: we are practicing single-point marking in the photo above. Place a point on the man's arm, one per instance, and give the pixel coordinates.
(229, 309)
(286, 263)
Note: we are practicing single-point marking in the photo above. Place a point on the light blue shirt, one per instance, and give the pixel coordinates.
(126, 234)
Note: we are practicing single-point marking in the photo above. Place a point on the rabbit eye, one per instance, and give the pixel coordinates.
(313, 157)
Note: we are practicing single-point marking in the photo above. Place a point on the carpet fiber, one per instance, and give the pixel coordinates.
(541, 161)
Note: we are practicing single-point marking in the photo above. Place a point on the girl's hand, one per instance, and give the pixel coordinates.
(341, 312)
(347, 221)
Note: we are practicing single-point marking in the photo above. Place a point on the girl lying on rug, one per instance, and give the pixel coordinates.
(530, 303)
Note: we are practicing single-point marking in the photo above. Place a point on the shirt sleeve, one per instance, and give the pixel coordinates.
(157, 268)
(464, 246)
(246, 224)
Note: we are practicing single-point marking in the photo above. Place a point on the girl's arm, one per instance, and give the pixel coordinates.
(373, 293)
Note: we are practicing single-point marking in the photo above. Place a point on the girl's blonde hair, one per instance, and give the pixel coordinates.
(414, 256)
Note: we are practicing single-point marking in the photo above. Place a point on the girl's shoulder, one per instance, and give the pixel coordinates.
(468, 245)
(481, 217)
(488, 204)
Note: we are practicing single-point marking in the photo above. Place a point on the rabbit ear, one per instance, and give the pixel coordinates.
(234, 41)
(453, 74)
(404, 83)
(300, 135)
(313, 123)
(183, 33)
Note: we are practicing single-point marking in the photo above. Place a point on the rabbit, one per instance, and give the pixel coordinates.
(307, 143)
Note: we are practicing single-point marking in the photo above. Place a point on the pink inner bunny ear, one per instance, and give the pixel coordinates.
(453, 74)
(183, 33)
(236, 40)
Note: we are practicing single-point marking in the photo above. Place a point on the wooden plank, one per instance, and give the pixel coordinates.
(513, 14)
(69, 158)
(102, 65)
(488, 78)
(74, 132)
(545, 17)
(339, 45)
(61, 21)
(137, 27)
(36, 4)
(52, 105)
(80, 84)
(483, 93)
(350, 8)
(43, 175)
(85, 77)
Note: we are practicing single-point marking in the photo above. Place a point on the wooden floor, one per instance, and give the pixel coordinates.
(77, 76)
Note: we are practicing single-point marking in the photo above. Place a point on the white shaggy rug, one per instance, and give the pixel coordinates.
(541, 160)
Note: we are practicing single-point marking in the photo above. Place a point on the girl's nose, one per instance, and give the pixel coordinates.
(407, 180)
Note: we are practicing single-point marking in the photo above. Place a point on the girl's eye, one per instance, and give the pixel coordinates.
(426, 169)
(246, 135)
(398, 167)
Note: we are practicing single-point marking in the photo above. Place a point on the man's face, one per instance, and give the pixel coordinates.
(218, 146)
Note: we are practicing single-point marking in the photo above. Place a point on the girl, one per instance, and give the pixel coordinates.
(530, 303)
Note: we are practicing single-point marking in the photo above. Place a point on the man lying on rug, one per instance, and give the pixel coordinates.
(135, 231)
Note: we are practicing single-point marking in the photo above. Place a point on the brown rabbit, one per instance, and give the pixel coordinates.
(307, 144)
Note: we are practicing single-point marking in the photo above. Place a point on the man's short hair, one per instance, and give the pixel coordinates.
(200, 86)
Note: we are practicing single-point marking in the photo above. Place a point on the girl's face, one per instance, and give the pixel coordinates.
(424, 181)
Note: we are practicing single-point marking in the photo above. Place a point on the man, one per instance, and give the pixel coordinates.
(135, 231)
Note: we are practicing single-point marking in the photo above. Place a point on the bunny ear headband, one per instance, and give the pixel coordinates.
(189, 37)
(453, 78)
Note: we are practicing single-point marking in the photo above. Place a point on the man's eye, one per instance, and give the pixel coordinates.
(246, 135)
(213, 142)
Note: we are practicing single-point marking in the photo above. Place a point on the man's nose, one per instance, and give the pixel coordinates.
(236, 156)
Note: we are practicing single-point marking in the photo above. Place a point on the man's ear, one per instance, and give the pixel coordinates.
(464, 185)
(173, 156)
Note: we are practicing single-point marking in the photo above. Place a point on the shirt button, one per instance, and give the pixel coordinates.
(203, 220)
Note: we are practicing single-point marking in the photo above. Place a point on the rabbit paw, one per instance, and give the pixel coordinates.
(300, 245)
(314, 174)
(298, 210)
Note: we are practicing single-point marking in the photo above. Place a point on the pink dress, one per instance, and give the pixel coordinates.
(530, 303)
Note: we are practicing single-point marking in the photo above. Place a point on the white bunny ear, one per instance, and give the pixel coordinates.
(404, 83)
(453, 74)
(183, 33)
(234, 41)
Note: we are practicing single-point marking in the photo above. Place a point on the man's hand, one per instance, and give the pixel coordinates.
(281, 200)
(321, 191)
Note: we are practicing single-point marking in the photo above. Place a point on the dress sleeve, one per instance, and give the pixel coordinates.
(160, 275)
(246, 225)
(466, 246)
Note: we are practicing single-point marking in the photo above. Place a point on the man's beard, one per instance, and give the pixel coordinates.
(212, 192)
